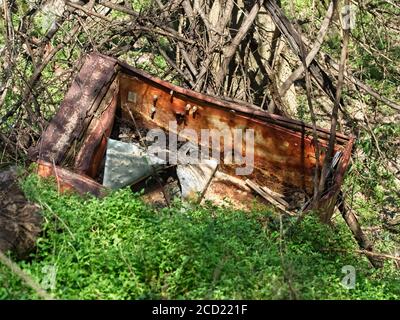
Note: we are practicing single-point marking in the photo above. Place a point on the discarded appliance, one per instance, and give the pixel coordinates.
(110, 100)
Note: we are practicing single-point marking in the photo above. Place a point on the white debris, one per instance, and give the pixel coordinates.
(127, 164)
(194, 178)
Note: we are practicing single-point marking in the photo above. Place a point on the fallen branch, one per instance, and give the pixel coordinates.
(163, 30)
(25, 277)
(270, 196)
(87, 11)
(173, 65)
(314, 51)
(317, 151)
(353, 224)
(367, 253)
(394, 221)
(231, 49)
(30, 85)
(335, 110)
(296, 43)
(364, 87)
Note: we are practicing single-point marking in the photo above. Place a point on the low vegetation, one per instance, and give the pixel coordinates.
(120, 248)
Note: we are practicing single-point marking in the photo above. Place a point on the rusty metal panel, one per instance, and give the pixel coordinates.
(92, 151)
(328, 201)
(85, 93)
(249, 110)
(284, 158)
(70, 181)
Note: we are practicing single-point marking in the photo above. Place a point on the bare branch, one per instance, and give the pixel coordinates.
(311, 55)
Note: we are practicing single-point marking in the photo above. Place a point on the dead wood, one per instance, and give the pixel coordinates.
(313, 52)
(270, 196)
(334, 116)
(377, 256)
(296, 43)
(362, 240)
(20, 221)
(29, 281)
